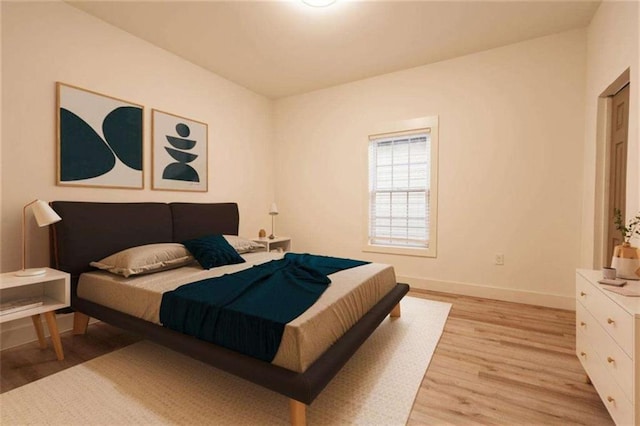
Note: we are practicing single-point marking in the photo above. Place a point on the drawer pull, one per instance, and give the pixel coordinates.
(582, 323)
(610, 321)
(582, 293)
(610, 360)
(583, 354)
(610, 399)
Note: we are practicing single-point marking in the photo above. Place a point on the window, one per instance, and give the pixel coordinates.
(402, 195)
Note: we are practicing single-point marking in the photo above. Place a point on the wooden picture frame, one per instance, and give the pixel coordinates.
(180, 153)
(99, 140)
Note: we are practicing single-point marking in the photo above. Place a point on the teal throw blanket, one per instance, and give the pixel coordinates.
(247, 311)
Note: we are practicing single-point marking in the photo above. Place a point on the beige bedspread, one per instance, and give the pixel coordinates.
(351, 294)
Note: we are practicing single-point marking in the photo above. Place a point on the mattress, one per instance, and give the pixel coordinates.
(351, 294)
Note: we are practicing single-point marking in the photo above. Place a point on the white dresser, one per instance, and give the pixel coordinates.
(608, 344)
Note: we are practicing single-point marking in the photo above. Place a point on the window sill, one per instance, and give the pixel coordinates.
(402, 251)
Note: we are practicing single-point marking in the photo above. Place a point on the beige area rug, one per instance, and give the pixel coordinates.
(148, 384)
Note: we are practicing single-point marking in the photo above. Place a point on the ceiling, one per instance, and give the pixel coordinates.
(282, 48)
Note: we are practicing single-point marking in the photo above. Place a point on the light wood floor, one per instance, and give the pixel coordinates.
(505, 363)
(496, 363)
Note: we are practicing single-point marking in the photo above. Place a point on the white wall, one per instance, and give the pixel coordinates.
(47, 42)
(511, 159)
(612, 47)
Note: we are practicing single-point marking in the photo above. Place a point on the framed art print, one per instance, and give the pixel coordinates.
(179, 153)
(99, 140)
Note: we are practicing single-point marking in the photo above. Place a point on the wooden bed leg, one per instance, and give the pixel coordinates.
(80, 323)
(298, 412)
(395, 312)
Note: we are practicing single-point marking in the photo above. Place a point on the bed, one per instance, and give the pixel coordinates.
(90, 231)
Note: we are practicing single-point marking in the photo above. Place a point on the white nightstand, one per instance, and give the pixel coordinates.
(278, 243)
(42, 294)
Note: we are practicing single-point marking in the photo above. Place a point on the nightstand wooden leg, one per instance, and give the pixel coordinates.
(55, 335)
(37, 324)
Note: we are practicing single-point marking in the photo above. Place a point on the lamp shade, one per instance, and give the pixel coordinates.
(44, 214)
(274, 209)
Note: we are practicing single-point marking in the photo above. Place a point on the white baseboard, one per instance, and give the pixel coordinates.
(19, 332)
(489, 292)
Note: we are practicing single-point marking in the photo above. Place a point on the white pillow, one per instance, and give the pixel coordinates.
(145, 259)
(242, 245)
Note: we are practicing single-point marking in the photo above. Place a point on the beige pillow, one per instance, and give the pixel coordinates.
(145, 259)
(242, 245)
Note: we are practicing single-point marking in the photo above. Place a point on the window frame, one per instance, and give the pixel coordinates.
(399, 129)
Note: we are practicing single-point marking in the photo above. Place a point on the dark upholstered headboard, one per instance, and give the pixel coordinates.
(91, 231)
(191, 220)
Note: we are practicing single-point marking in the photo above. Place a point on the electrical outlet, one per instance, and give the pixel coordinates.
(499, 259)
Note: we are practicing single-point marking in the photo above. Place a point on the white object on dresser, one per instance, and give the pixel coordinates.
(277, 243)
(608, 344)
(53, 289)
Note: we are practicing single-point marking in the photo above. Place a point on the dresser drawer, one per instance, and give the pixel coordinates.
(585, 323)
(585, 293)
(619, 407)
(615, 361)
(614, 320)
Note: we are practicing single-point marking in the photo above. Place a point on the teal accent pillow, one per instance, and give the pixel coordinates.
(212, 250)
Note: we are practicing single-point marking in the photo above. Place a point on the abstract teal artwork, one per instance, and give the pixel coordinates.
(99, 139)
(179, 153)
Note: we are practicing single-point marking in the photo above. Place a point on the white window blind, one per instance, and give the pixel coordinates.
(399, 183)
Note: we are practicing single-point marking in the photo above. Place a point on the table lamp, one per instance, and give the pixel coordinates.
(45, 216)
(273, 212)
